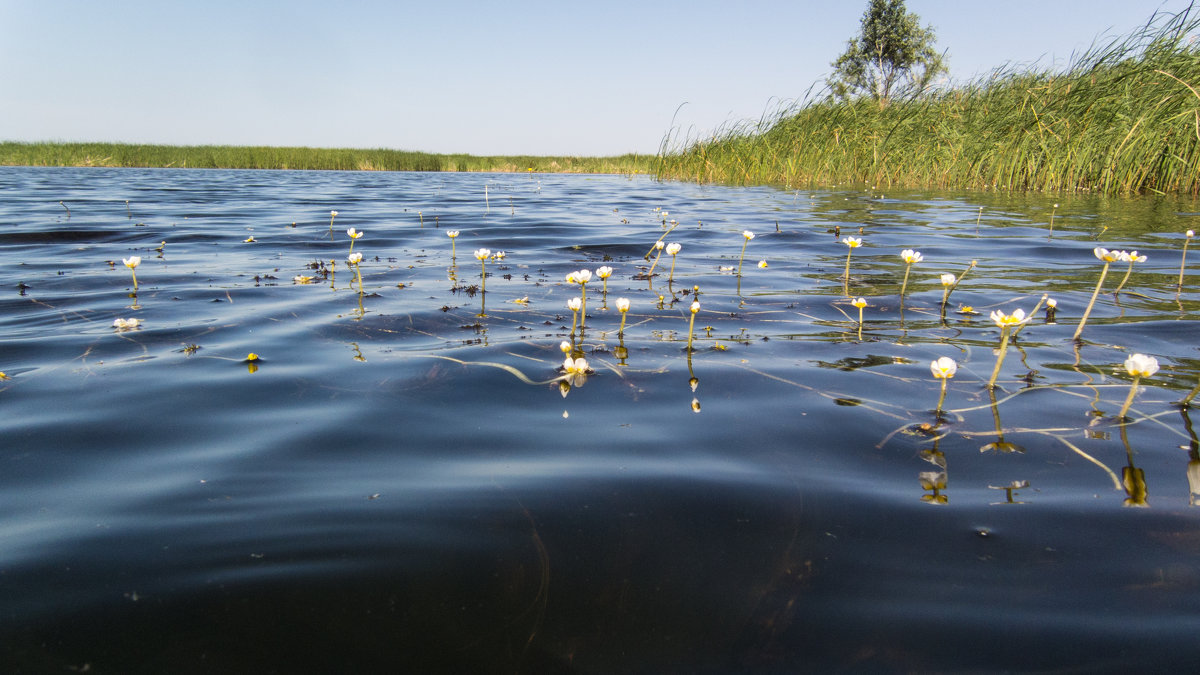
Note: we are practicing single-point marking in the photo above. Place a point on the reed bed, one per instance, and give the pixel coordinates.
(334, 159)
(1122, 118)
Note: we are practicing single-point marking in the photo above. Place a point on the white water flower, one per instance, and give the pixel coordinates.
(353, 233)
(452, 233)
(1106, 255)
(695, 307)
(126, 324)
(852, 242)
(910, 256)
(1008, 320)
(132, 261)
(944, 368)
(762, 264)
(583, 276)
(747, 234)
(354, 258)
(565, 347)
(1140, 365)
(673, 248)
(482, 254)
(574, 304)
(576, 371)
(859, 302)
(948, 279)
(622, 305)
(604, 272)
(499, 255)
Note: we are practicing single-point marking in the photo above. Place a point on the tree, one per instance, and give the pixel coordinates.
(891, 56)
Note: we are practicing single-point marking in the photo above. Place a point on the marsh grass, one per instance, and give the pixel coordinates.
(333, 159)
(1122, 118)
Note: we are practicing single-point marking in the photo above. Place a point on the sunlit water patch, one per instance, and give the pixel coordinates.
(403, 475)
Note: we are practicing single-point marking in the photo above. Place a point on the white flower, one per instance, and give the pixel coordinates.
(354, 258)
(852, 242)
(1007, 320)
(482, 253)
(333, 213)
(353, 233)
(452, 233)
(499, 255)
(1190, 234)
(673, 248)
(565, 347)
(747, 234)
(910, 256)
(1052, 303)
(1133, 257)
(577, 370)
(1140, 365)
(571, 278)
(132, 261)
(125, 324)
(695, 306)
(859, 302)
(604, 272)
(583, 276)
(622, 304)
(1106, 255)
(944, 368)
(948, 279)
(762, 264)
(659, 244)
(574, 304)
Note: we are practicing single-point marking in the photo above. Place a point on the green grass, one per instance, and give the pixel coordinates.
(1122, 118)
(264, 157)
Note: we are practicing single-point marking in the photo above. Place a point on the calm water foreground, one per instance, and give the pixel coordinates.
(399, 482)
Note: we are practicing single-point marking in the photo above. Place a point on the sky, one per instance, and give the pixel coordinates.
(486, 78)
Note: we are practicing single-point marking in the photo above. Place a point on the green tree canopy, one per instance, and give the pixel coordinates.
(891, 56)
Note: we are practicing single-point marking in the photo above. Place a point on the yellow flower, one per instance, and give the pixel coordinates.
(249, 240)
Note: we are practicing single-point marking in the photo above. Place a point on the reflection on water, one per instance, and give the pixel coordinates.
(300, 460)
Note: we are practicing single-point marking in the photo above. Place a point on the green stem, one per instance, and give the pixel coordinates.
(1000, 357)
(1182, 262)
(691, 330)
(1129, 399)
(582, 307)
(904, 286)
(1124, 279)
(941, 398)
(742, 256)
(621, 330)
(671, 276)
(1088, 311)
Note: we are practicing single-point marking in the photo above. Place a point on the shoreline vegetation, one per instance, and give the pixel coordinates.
(1123, 118)
(130, 155)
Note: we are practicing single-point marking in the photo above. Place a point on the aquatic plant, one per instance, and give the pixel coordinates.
(623, 308)
(575, 372)
(1187, 237)
(582, 277)
(132, 262)
(747, 235)
(453, 234)
(574, 304)
(482, 254)
(1138, 366)
(762, 264)
(126, 324)
(354, 236)
(673, 249)
(1006, 322)
(692, 324)
(1052, 212)
(859, 303)
(1051, 310)
(1107, 257)
(353, 260)
(910, 257)
(658, 246)
(1131, 258)
(852, 243)
(943, 369)
(604, 272)
(332, 215)
(951, 282)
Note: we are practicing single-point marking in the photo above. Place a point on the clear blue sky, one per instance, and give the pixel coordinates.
(514, 77)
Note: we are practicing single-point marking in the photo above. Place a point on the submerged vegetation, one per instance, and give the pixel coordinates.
(1122, 118)
(266, 157)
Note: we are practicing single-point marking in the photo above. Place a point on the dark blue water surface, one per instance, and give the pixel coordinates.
(400, 483)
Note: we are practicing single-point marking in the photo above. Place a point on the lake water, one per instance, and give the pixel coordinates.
(399, 482)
